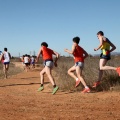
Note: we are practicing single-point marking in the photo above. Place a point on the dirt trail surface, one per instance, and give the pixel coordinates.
(19, 100)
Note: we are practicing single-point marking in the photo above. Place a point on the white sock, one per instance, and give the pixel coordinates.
(86, 87)
(77, 79)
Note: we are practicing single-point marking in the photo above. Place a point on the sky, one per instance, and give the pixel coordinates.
(24, 24)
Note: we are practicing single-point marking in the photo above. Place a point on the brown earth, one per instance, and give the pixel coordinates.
(19, 100)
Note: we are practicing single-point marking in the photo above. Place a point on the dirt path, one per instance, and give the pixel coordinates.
(19, 100)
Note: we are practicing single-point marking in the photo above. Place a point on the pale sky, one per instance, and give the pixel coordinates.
(24, 24)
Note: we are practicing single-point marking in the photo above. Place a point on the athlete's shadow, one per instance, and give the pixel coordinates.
(22, 84)
(30, 77)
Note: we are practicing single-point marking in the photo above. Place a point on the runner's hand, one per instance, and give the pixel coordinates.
(95, 49)
(55, 64)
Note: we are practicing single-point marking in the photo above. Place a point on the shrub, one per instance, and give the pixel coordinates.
(90, 73)
(12, 70)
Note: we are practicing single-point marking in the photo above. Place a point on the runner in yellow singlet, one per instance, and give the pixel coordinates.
(106, 48)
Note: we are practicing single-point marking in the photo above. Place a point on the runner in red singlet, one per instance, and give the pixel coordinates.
(79, 55)
(48, 65)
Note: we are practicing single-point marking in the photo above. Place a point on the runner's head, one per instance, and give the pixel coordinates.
(29, 56)
(5, 49)
(44, 44)
(76, 40)
(100, 34)
(26, 55)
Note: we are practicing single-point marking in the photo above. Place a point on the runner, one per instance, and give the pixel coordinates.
(105, 45)
(33, 61)
(29, 61)
(22, 59)
(6, 61)
(48, 65)
(79, 55)
(26, 62)
(1, 56)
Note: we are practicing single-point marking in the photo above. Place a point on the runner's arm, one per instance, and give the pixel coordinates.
(56, 59)
(38, 56)
(85, 54)
(2, 55)
(57, 56)
(10, 55)
(101, 43)
(113, 46)
(70, 51)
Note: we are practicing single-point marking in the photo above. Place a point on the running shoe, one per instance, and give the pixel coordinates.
(41, 88)
(77, 83)
(118, 70)
(96, 84)
(86, 90)
(55, 90)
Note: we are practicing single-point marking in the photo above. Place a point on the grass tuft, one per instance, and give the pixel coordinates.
(90, 73)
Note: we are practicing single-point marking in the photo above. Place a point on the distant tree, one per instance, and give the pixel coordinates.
(90, 55)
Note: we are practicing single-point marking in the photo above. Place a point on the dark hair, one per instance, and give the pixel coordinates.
(44, 44)
(100, 33)
(26, 55)
(76, 40)
(5, 49)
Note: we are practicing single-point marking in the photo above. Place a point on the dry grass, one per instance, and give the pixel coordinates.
(12, 70)
(110, 78)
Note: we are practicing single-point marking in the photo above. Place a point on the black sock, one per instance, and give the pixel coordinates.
(54, 86)
(41, 85)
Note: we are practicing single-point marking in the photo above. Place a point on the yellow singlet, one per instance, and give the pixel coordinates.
(105, 47)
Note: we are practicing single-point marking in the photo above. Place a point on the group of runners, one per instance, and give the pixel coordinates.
(79, 55)
(28, 61)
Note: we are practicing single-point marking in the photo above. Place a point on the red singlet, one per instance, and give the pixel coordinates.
(47, 53)
(78, 54)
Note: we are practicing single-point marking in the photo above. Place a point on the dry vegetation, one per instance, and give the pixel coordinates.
(110, 80)
(13, 70)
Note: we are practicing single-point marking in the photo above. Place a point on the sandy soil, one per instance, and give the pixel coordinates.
(19, 100)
